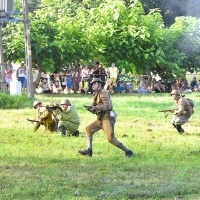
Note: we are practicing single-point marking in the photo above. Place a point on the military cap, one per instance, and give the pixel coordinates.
(175, 92)
(66, 102)
(96, 80)
(36, 103)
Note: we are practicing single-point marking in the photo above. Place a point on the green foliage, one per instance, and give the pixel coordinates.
(65, 32)
(14, 102)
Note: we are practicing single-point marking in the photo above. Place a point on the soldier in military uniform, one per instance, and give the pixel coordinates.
(183, 112)
(69, 119)
(102, 106)
(45, 116)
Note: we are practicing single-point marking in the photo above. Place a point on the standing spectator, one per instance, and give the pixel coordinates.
(113, 74)
(8, 73)
(69, 83)
(96, 70)
(103, 75)
(76, 79)
(63, 81)
(83, 86)
(21, 74)
(84, 72)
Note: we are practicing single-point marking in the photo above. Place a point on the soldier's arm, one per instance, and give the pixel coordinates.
(181, 107)
(44, 114)
(106, 102)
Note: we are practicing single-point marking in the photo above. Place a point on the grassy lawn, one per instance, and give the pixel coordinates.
(46, 166)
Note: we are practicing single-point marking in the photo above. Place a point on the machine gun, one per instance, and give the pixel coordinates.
(52, 107)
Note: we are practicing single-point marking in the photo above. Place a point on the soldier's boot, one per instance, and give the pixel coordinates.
(179, 129)
(76, 133)
(86, 152)
(36, 127)
(128, 152)
(62, 130)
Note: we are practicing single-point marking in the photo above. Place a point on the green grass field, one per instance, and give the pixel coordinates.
(47, 166)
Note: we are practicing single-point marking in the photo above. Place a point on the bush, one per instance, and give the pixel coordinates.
(14, 102)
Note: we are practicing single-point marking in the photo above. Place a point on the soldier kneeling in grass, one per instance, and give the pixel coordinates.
(46, 117)
(69, 120)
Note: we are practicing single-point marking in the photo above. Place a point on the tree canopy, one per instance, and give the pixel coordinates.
(65, 32)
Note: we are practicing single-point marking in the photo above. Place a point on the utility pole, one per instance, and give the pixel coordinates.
(2, 77)
(28, 54)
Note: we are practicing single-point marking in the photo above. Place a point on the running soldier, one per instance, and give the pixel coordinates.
(102, 107)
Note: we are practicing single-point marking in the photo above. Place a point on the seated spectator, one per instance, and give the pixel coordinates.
(193, 83)
(44, 86)
(57, 89)
(174, 85)
(142, 87)
(123, 86)
(130, 87)
(159, 87)
(118, 88)
(197, 88)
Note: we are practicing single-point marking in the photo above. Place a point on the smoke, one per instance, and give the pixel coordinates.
(193, 8)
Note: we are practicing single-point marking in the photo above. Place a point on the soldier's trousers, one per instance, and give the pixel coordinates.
(180, 120)
(106, 126)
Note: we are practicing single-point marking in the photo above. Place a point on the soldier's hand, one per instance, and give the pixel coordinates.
(92, 108)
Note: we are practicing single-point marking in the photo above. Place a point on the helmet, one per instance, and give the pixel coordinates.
(175, 92)
(65, 101)
(36, 103)
(96, 80)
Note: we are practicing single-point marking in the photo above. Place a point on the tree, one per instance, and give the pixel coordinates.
(66, 32)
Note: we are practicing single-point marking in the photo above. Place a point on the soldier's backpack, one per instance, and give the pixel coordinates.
(191, 102)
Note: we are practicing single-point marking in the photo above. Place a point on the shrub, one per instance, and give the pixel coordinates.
(14, 102)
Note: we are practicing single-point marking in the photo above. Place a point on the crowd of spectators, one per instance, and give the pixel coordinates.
(78, 80)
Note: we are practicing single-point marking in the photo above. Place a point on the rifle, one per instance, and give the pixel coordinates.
(166, 111)
(89, 108)
(33, 120)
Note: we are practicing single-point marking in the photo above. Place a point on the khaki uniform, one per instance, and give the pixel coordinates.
(183, 112)
(103, 105)
(69, 118)
(46, 119)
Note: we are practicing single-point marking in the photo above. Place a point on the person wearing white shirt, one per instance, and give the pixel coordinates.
(113, 74)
